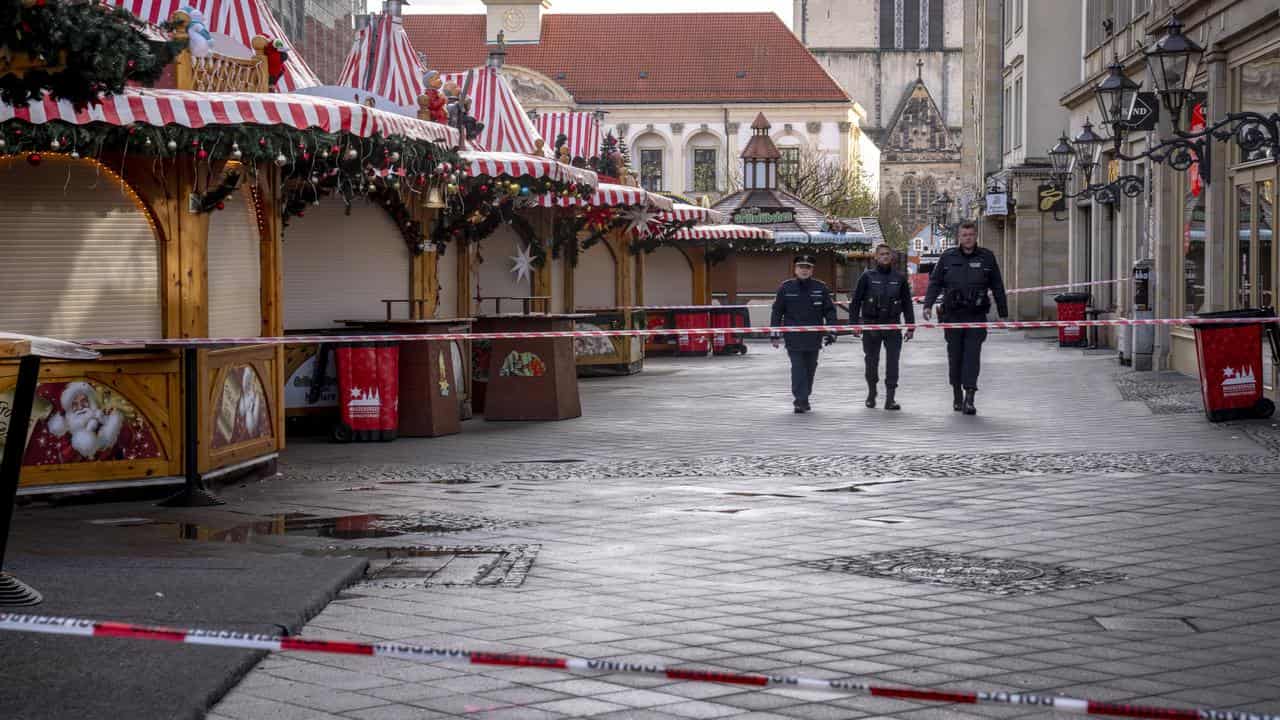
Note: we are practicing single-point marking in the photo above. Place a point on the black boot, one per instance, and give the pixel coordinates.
(957, 400)
(969, 409)
(871, 395)
(889, 404)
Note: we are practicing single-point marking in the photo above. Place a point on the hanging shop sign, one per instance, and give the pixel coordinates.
(1051, 198)
(764, 216)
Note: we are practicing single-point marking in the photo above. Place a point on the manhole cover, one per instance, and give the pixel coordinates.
(1147, 624)
(407, 568)
(994, 575)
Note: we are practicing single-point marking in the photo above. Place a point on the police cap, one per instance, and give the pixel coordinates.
(804, 259)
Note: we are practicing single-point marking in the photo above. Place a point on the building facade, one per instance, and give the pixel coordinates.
(1012, 120)
(321, 30)
(1209, 243)
(682, 95)
(903, 60)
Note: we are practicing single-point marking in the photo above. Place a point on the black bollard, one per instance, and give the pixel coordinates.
(14, 592)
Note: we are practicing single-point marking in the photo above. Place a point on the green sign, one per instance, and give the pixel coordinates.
(764, 216)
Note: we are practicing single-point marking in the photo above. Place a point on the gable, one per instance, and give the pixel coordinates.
(918, 133)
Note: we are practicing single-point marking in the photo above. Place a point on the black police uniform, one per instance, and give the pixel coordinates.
(966, 282)
(803, 302)
(882, 296)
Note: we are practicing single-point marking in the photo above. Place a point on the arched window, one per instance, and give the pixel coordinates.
(910, 203)
(652, 151)
(704, 163)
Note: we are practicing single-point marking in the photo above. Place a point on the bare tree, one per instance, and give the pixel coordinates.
(834, 187)
(891, 220)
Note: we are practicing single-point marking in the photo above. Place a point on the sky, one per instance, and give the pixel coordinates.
(781, 7)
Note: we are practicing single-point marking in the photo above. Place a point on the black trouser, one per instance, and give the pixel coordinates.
(964, 351)
(871, 341)
(804, 365)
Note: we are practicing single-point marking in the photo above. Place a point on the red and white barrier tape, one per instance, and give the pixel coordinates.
(418, 653)
(1044, 288)
(658, 332)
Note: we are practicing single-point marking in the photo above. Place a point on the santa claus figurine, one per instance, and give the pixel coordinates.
(277, 55)
(91, 429)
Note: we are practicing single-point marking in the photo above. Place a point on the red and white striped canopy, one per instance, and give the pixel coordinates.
(723, 232)
(239, 19)
(610, 195)
(507, 128)
(198, 109)
(581, 130)
(497, 164)
(382, 61)
(684, 212)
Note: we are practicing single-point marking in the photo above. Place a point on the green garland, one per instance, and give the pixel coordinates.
(82, 50)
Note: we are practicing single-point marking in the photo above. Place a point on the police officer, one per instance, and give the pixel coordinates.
(803, 300)
(882, 296)
(966, 277)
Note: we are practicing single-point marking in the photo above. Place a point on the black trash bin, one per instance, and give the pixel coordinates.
(1230, 359)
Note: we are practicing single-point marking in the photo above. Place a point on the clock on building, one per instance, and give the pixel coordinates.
(513, 20)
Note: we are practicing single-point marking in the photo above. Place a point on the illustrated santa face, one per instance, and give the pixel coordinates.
(91, 429)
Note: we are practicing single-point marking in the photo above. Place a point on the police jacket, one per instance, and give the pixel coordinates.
(803, 302)
(965, 282)
(882, 296)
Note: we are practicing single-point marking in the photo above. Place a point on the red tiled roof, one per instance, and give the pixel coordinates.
(688, 57)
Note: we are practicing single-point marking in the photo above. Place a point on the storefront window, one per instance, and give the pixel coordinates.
(1244, 235)
(1266, 221)
(1193, 265)
(1258, 90)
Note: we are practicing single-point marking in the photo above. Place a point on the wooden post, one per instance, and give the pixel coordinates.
(701, 285)
(466, 258)
(622, 268)
(639, 280)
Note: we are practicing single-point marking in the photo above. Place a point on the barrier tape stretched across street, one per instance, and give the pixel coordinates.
(659, 332)
(1046, 288)
(417, 653)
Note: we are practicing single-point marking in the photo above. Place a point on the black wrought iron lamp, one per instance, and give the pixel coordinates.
(940, 213)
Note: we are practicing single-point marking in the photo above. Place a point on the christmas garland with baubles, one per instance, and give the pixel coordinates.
(75, 51)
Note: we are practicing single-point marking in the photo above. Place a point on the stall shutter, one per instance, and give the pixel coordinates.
(595, 280)
(341, 267)
(79, 256)
(235, 271)
(668, 278)
(494, 276)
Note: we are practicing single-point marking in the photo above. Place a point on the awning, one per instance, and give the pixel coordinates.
(497, 164)
(822, 238)
(195, 110)
(610, 195)
(723, 232)
(581, 131)
(507, 128)
(684, 212)
(382, 61)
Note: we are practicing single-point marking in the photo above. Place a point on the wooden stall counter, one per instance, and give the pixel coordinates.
(432, 381)
(618, 355)
(527, 379)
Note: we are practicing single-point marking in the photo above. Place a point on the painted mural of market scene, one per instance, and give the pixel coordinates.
(571, 358)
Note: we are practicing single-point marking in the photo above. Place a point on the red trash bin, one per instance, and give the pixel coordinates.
(731, 316)
(1071, 306)
(692, 344)
(1231, 373)
(368, 392)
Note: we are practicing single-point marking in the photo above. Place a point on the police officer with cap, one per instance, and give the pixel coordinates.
(803, 300)
(882, 297)
(966, 277)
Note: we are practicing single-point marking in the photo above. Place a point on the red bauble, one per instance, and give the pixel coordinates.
(202, 154)
(34, 158)
(484, 188)
(306, 156)
(262, 142)
(335, 149)
(220, 205)
(301, 213)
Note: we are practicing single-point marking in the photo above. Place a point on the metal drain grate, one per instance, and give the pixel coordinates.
(991, 575)
(415, 568)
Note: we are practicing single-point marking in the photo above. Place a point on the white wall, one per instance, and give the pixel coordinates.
(594, 280)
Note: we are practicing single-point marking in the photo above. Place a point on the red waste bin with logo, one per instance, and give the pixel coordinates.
(1231, 372)
(692, 317)
(729, 316)
(1071, 307)
(368, 392)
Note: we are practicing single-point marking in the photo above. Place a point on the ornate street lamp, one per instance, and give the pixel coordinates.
(1084, 153)
(1063, 158)
(1172, 63)
(1116, 95)
(941, 213)
(1088, 147)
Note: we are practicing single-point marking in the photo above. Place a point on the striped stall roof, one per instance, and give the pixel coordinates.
(199, 109)
(684, 212)
(383, 62)
(581, 130)
(239, 19)
(723, 232)
(497, 164)
(507, 128)
(611, 195)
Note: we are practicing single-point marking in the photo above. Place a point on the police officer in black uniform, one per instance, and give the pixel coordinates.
(966, 277)
(803, 300)
(882, 296)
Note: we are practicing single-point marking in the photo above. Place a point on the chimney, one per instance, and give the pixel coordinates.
(498, 55)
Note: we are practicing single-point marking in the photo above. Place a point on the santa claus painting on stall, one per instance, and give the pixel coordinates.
(81, 421)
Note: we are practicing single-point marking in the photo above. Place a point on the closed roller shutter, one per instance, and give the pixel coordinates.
(494, 275)
(235, 270)
(341, 267)
(668, 278)
(78, 257)
(594, 280)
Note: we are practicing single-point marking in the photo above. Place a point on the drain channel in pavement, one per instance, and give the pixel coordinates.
(418, 567)
(340, 527)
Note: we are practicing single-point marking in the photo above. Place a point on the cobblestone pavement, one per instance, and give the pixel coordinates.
(1066, 540)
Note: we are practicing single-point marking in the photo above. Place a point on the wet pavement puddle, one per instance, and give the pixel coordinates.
(340, 527)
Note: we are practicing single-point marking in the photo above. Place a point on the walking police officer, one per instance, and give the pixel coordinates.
(882, 296)
(966, 277)
(803, 300)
